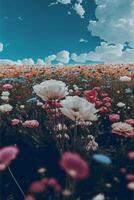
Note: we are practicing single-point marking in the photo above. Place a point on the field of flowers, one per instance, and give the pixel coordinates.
(67, 133)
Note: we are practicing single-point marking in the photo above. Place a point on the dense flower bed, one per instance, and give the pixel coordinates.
(67, 133)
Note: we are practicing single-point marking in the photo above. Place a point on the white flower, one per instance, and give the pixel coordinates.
(5, 108)
(51, 89)
(99, 197)
(125, 78)
(5, 93)
(120, 104)
(79, 109)
(22, 106)
(5, 98)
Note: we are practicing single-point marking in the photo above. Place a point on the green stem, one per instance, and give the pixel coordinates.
(16, 182)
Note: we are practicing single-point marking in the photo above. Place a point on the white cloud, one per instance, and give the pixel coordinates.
(40, 62)
(111, 54)
(79, 59)
(1, 47)
(28, 61)
(115, 21)
(64, 1)
(49, 59)
(63, 57)
(79, 9)
(10, 62)
(82, 40)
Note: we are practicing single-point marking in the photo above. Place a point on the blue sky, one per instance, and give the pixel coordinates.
(93, 30)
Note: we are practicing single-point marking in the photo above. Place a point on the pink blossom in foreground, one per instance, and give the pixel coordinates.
(31, 124)
(74, 165)
(7, 154)
(131, 155)
(7, 86)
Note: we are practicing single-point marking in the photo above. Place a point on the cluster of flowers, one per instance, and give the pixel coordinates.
(69, 109)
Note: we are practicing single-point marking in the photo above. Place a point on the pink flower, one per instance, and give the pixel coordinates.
(104, 94)
(130, 177)
(7, 86)
(37, 187)
(30, 197)
(123, 129)
(98, 103)
(31, 124)
(7, 154)
(74, 165)
(107, 100)
(16, 122)
(108, 105)
(77, 93)
(130, 121)
(131, 155)
(51, 182)
(114, 117)
(103, 109)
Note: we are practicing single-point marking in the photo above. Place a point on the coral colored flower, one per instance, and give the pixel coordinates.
(74, 165)
(123, 129)
(16, 122)
(7, 154)
(114, 117)
(130, 121)
(7, 86)
(31, 124)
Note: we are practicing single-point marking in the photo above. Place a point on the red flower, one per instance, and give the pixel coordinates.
(7, 154)
(74, 165)
(114, 117)
(90, 95)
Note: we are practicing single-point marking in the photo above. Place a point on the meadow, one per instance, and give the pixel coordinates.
(67, 132)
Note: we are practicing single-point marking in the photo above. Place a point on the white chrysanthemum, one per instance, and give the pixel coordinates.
(79, 109)
(51, 89)
(5, 93)
(5, 108)
(99, 197)
(125, 78)
(5, 98)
